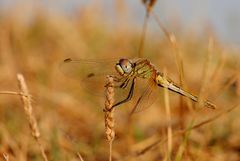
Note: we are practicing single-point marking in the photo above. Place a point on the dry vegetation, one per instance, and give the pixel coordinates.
(71, 121)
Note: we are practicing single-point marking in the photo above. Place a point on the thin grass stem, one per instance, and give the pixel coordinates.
(26, 99)
(180, 132)
(143, 36)
(6, 157)
(168, 114)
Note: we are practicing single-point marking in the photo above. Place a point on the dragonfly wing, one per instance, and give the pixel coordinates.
(87, 68)
(91, 73)
(147, 97)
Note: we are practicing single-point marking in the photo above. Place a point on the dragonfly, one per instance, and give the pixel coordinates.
(126, 73)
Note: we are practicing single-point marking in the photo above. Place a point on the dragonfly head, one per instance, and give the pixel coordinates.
(124, 67)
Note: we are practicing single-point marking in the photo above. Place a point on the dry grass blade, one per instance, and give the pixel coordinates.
(216, 74)
(12, 93)
(26, 99)
(143, 35)
(183, 145)
(172, 39)
(149, 4)
(109, 113)
(231, 80)
(179, 61)
(205, 73)
(212, 118)
(180, 132)
(168, 113)
(219, 67)
(80, 157)
(6, 157)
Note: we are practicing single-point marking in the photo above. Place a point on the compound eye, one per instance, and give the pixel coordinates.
(126, 65)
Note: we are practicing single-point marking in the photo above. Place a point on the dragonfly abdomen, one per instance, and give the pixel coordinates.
(180, 91)
(164, 82)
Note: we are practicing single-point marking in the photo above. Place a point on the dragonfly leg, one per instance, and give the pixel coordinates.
(122, 85)
(125, 83)
(129, 97)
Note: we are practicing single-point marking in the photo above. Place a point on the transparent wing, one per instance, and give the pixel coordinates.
(92, 74)
(146, 98)
(83, 69)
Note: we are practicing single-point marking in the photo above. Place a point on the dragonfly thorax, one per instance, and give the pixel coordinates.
(124, 67)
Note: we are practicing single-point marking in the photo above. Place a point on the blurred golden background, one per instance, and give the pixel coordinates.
(35, 42)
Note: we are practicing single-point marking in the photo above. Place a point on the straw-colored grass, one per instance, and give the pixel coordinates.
(169, 119)
(70, 118)
(26, 99)
(109, 113)
(6, 157)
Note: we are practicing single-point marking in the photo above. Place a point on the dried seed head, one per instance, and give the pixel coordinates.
(149, 4)
(26, 99)
(109, 111)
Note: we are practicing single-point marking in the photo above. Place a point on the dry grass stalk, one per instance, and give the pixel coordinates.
(180, 132)
(183, 145)
(12, 93)
(233, 78)
(179, 61)
(26, 99)
(205, 74)
(216, 74)
(80, 157)
(143, 35)
(173, 41)
(6, 157)
(171, 37)
(149, 4)
(109, 113)
(168, 114)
